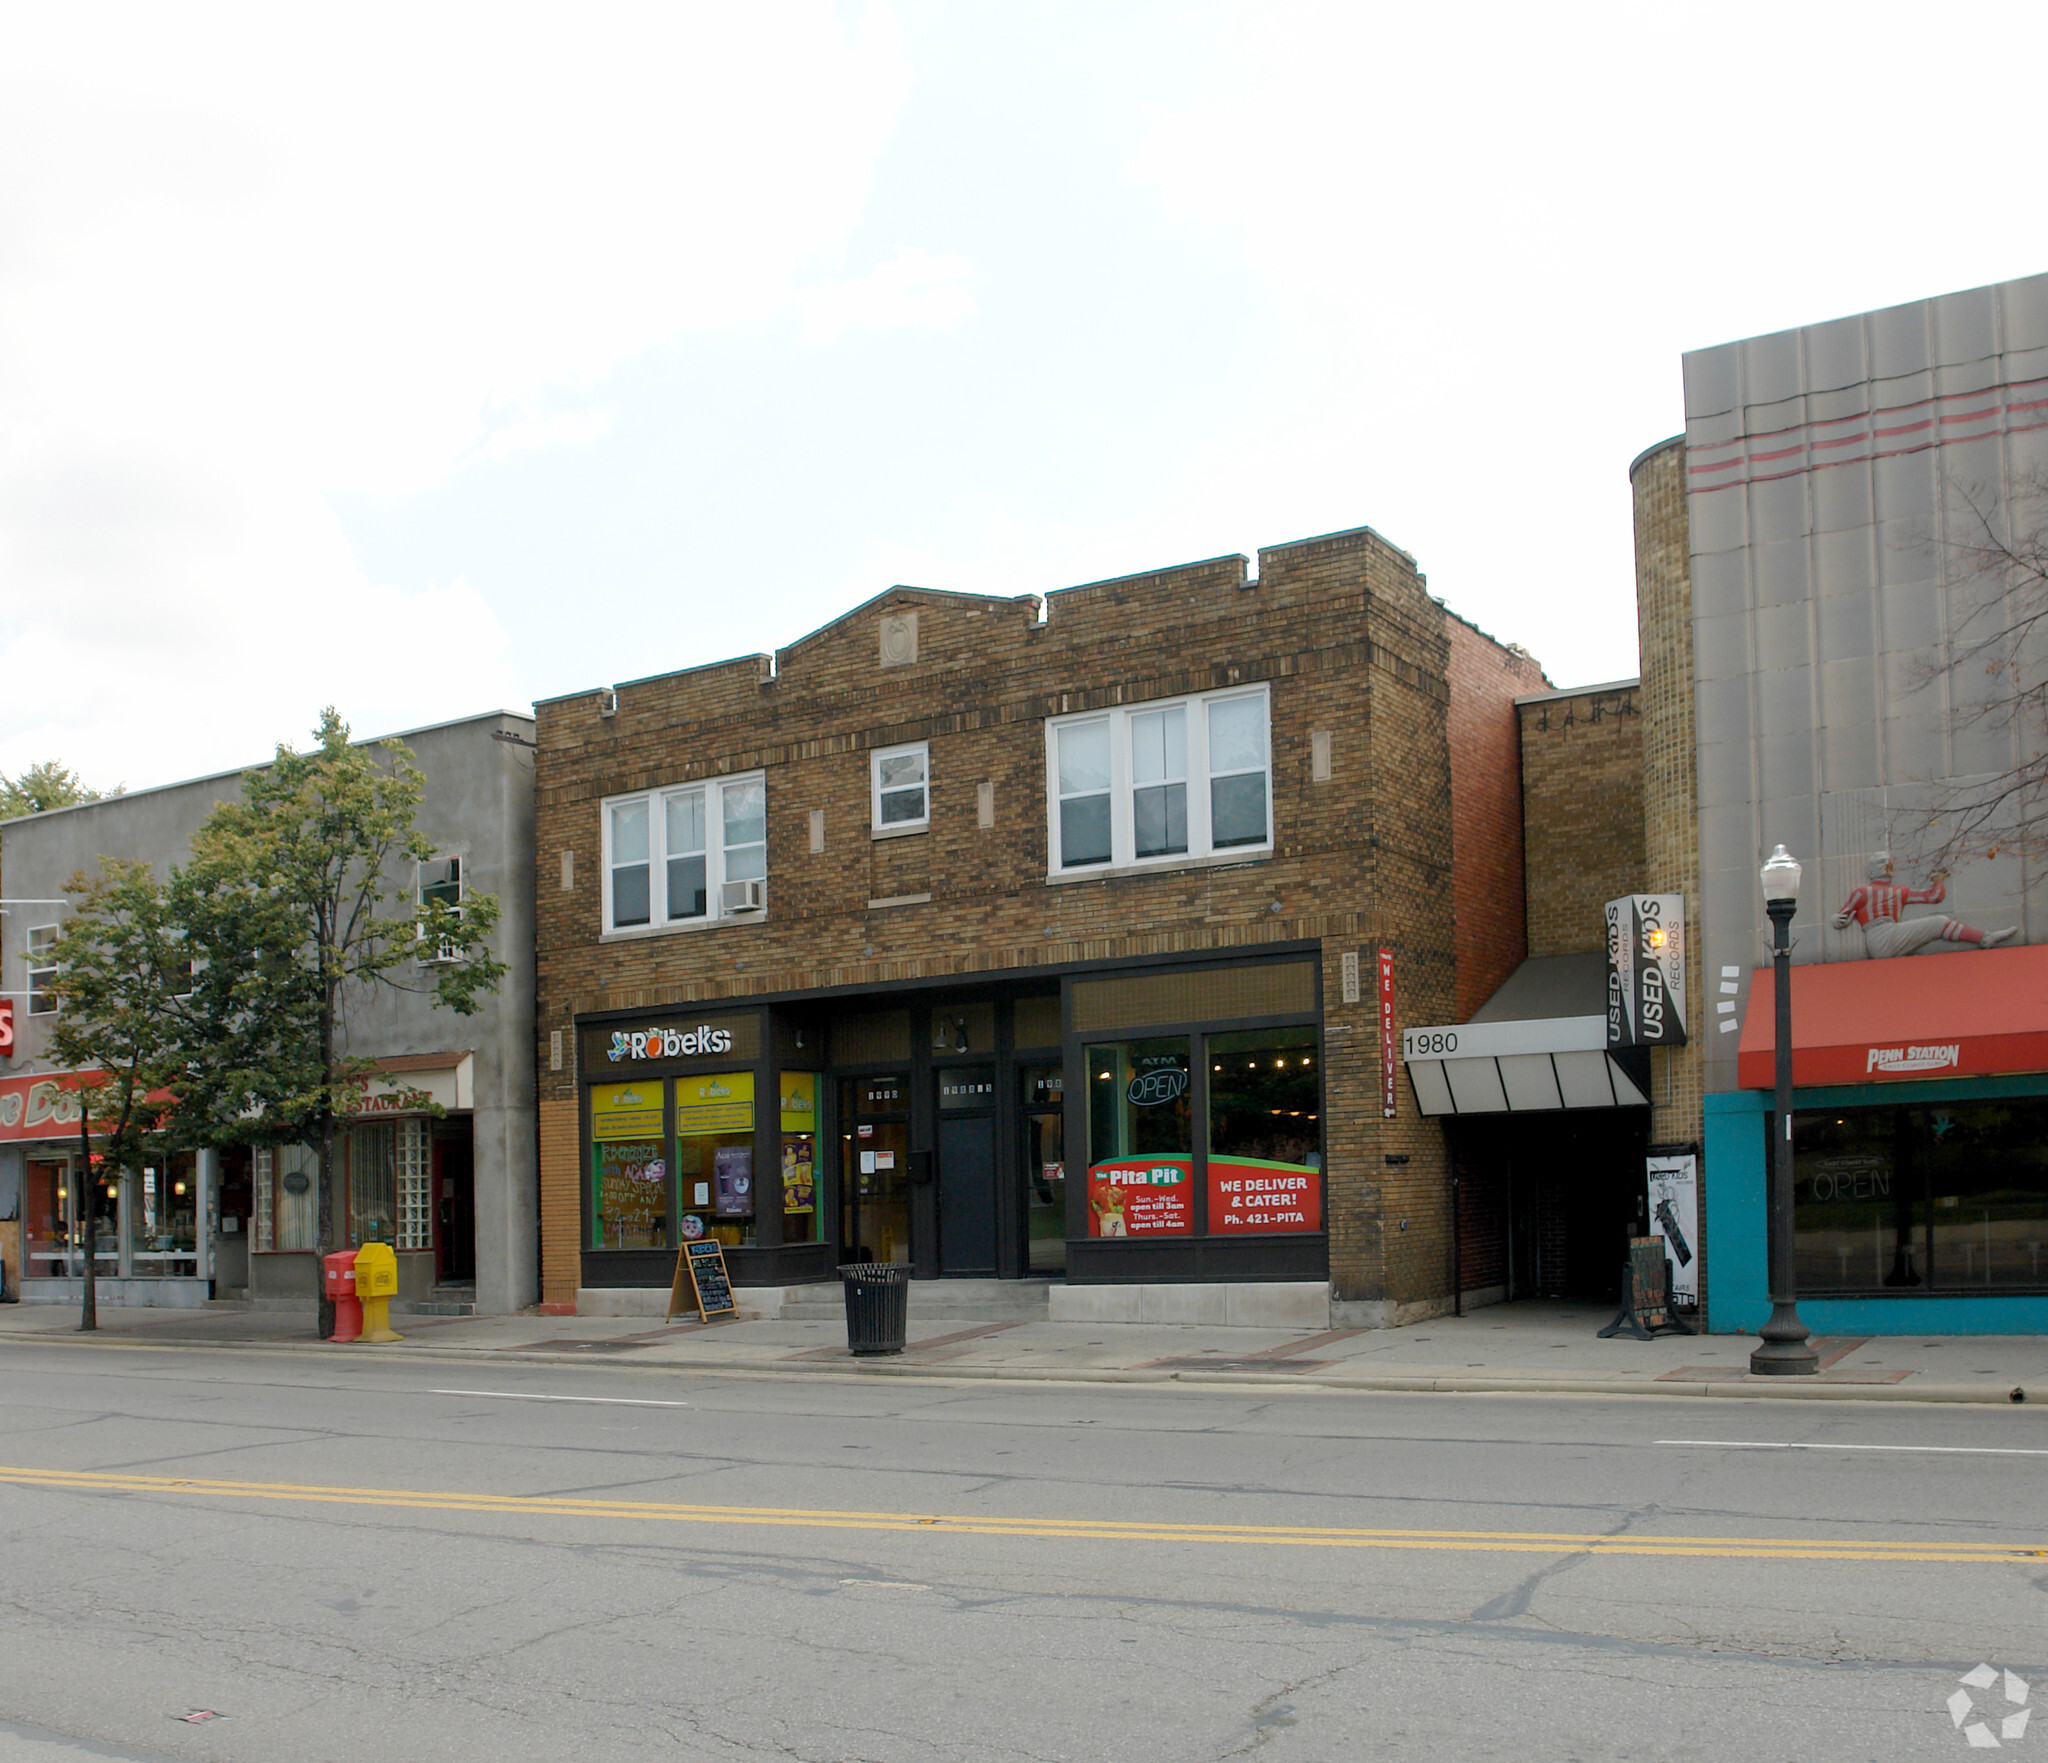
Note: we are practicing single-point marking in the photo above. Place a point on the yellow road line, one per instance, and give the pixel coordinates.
(1078, 1529)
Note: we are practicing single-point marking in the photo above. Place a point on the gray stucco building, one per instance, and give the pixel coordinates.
(454, 1192)
(1841, 482)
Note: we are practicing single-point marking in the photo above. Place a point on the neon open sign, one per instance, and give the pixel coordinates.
(1150, 1089)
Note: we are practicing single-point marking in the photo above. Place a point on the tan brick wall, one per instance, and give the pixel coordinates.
(1582, 795)
(1671, 833)
(561, 1201)
(1351, 644)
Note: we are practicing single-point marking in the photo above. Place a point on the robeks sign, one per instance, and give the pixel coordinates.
(670, 1041)
(1646, 971)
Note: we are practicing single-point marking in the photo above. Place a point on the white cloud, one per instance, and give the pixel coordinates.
(912, 291)
(257, 258)
(1482, 235)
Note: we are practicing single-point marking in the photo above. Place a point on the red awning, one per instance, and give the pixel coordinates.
(1973, 1013)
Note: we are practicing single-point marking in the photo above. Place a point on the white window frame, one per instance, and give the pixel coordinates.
(48, 969)
(889, 828)
(446, 951)
(1122, 828)
(714, 791)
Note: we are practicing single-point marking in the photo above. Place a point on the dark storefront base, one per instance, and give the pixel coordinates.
(1175, 1260)
(792, 1264)
(1088, 1262)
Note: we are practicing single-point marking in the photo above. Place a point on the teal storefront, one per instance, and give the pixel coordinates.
(1920, 1208)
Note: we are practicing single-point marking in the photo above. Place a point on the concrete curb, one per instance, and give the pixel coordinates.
(1738, 1388)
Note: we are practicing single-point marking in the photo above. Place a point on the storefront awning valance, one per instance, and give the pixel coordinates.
(1974, 1013)
(1538, 1045)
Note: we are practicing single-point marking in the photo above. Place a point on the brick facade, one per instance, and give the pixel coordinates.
(1671, 827)
(1582, 787)
(1486, 797)
(1358, 660)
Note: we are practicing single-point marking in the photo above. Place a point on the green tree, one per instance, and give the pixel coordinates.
(40, 788)
(118, 960)
(323, 851)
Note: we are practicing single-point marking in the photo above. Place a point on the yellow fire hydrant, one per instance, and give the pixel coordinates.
(376, 1286)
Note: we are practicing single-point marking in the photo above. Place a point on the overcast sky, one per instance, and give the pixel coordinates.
(426, 359)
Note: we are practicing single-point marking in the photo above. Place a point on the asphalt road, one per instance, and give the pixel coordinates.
(428, 1560)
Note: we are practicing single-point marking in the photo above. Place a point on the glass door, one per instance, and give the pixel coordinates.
(48, 1210)
(1045, 1171)
(874, 1171)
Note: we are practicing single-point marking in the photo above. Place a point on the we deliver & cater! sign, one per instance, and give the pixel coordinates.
(1247, 1196)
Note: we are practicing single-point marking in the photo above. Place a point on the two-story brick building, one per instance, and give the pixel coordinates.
(1022, 938)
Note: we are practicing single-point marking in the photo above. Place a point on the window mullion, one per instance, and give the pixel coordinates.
(1123, 839)
(714, 851)
(1200, 843)
(657, 857)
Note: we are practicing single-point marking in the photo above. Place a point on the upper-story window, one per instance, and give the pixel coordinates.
(42, 969)
(1155, 783)
(690, 855)
(901, 788)
(441, 882)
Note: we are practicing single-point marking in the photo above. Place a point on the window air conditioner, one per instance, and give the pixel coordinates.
(742, 896)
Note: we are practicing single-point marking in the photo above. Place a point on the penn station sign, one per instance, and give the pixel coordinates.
(672, 1041)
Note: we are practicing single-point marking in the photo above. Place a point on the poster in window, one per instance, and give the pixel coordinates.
(732, 1182)
(625, 1111)
(632, 1194)
(1248, 1195)
(1141, 1197)
(1674, 1204)
(719, 1104)
(799, 1186)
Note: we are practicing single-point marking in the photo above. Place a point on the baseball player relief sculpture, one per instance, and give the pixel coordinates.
(1878, 906)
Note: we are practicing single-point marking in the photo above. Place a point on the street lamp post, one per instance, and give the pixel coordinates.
(1786, 1350)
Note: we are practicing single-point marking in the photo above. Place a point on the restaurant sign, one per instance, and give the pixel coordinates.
(671, 1041)
(39, 1107)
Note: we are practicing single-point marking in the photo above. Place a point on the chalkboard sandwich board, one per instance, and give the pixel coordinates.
(702, 1264)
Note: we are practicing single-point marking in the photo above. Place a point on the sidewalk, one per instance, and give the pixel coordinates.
(1530, 1348)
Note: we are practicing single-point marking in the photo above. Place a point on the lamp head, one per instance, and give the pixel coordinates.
(1780, 876)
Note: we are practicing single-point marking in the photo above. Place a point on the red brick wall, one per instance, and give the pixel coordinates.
(1486, 809)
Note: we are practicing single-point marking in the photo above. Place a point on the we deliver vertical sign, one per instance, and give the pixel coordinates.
(1389, 1052)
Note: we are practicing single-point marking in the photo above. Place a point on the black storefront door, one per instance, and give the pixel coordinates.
(967, 1195)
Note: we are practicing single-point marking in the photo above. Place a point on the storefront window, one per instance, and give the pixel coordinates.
(163, 1217)
(372, 1184)
(1951, 1199)
(802, 1217)
(1140, 1144)
(1987, 1179)
(287, 1195)
(629, 1175)
(1265, 1132)
(715, 1157)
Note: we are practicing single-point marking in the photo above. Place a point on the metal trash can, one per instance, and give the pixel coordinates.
(877, 1306)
